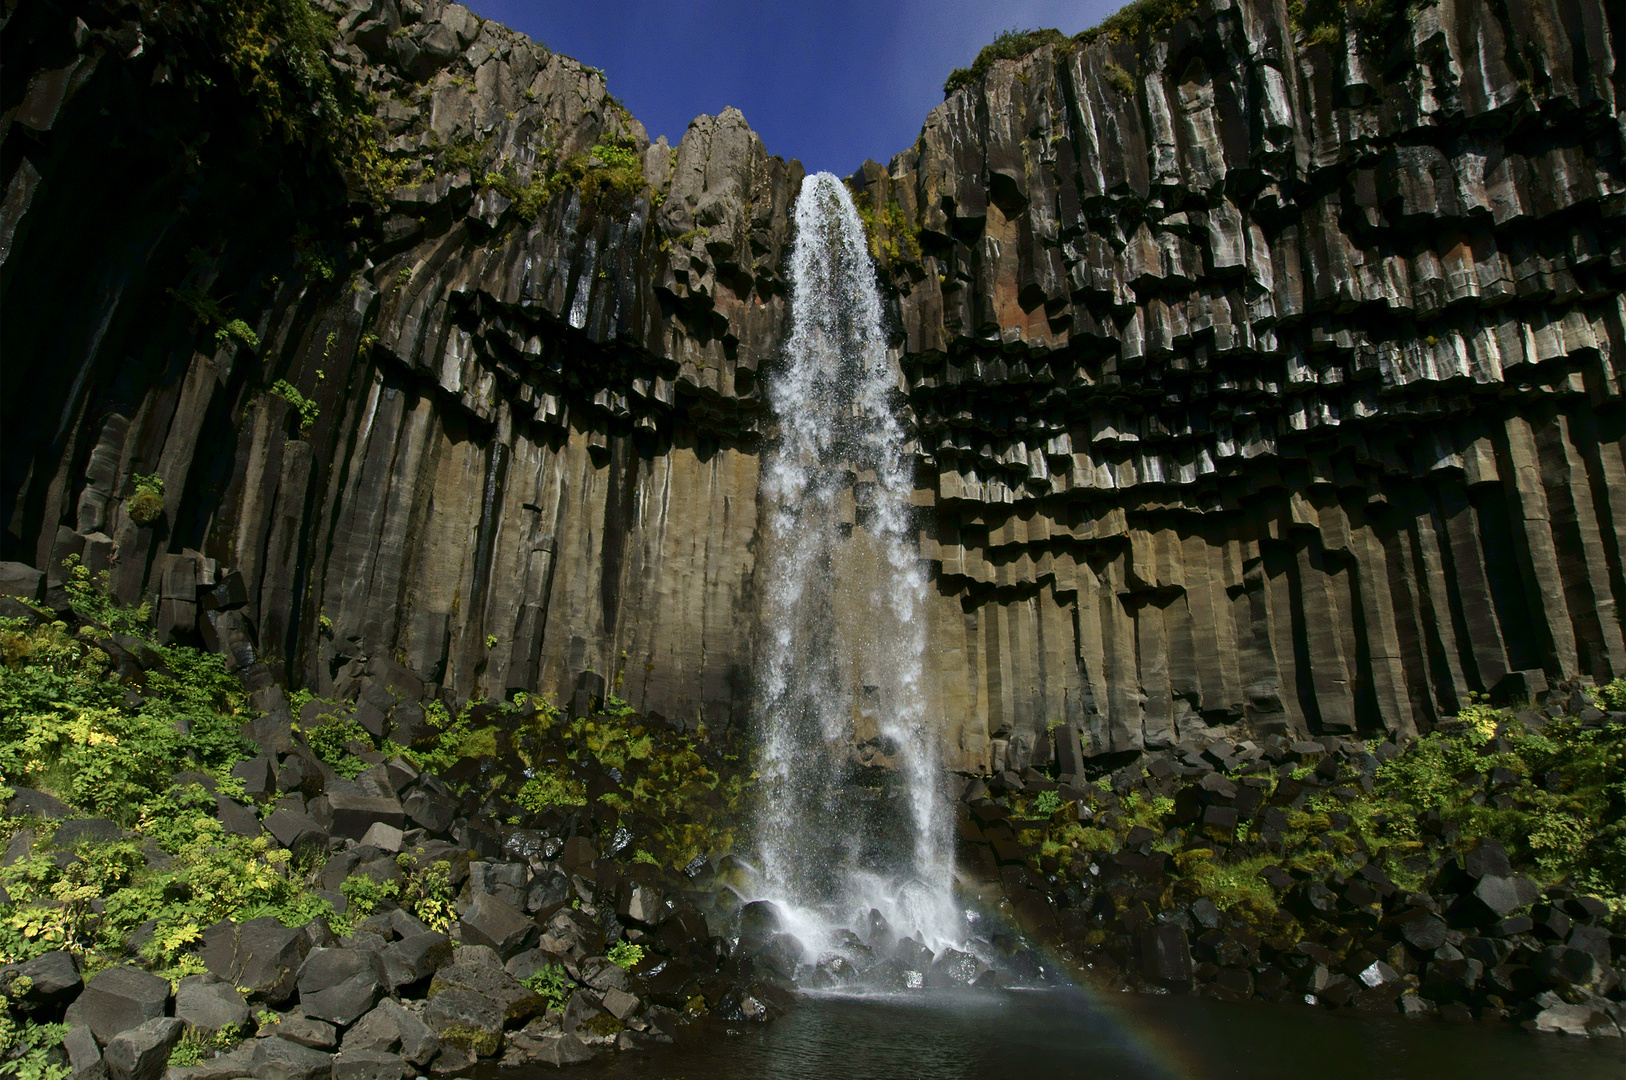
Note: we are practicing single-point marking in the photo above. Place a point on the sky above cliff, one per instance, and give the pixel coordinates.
(831, 82)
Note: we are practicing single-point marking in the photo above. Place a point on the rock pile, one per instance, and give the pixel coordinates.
(461, 926)
(1287, 835)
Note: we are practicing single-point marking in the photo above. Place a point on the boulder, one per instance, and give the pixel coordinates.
(21, 581)
(466, 1019)
(562, 1050)
(1165, 956)
(118, 999)
(210, 1004)
(340, 985)
(70, 834)
(262, 956)
(295, 831)
(354, 814)
(415, 958)
(517, 1001)
(26, 802)
(392, 1029)
(1587, 1019)
(368, 1065)
(53, 979)
(307, 1031)
(489, 921)
(383, 837)
(142, 1052)
(619, 1003)
(84, 1053)
(277, 1058)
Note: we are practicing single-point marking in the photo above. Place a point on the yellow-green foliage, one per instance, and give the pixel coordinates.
(624, 954)
(66, 727)
(1232, 886)
(1613, 696)
(1322, 21)
(307, 409)
(892, 236)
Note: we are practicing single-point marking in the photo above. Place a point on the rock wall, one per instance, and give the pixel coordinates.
(1258, 378)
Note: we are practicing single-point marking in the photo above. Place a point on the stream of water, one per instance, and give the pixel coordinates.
(843, 620)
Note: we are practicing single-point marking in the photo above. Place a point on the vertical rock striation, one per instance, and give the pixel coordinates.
(1257, 376)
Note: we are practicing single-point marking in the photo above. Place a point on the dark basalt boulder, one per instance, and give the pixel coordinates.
(277, 1058)
(209, 1003)
(340, 985)
(142, 1052)
(26, 802)
(414, 958)
(467, 1019)
(262, 956)
(392, 1029)
(504, 928)
(368, 1065)
(118, 999)
(53, 980)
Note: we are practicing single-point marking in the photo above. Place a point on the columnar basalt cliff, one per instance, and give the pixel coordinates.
(1259, 375)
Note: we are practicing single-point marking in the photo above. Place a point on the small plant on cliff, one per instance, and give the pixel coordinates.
(146, 505)
(625, 955)
(1045, 804)
(306, 408)
(1012, 44)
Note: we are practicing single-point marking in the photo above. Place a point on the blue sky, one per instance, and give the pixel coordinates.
(831, 82)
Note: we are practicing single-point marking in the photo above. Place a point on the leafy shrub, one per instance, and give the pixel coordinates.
(550, 984)
(1613, 696)
(306, 408)
(1045, 804)
(624, 954)
(146, 505)
(550, 789)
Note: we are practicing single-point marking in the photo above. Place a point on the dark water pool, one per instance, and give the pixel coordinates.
(1055, 1036)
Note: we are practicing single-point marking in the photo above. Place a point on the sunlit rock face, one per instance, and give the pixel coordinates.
(1248, 381)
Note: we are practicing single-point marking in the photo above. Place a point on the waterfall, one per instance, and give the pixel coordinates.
(843, 610)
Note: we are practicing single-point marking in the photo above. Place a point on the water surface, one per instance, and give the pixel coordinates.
(1061, 1035)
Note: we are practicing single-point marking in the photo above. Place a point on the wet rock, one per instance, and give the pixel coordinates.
(1165, 956)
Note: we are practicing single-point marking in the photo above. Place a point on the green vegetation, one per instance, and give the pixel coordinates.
(146, 504)
(1119, 79)
(209, 312)
(1133, 21)
(1322, 21)
(892, 236)
(1555, 796)
(1012, 44)
(1130, 23)
(306, 408)
(624, 954)
(550, 984)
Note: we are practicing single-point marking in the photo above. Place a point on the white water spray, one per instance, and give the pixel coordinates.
(843, 613)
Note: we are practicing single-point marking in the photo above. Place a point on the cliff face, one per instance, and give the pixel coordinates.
(1255, 381)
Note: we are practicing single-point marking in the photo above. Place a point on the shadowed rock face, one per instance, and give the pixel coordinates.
(1253, 382)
